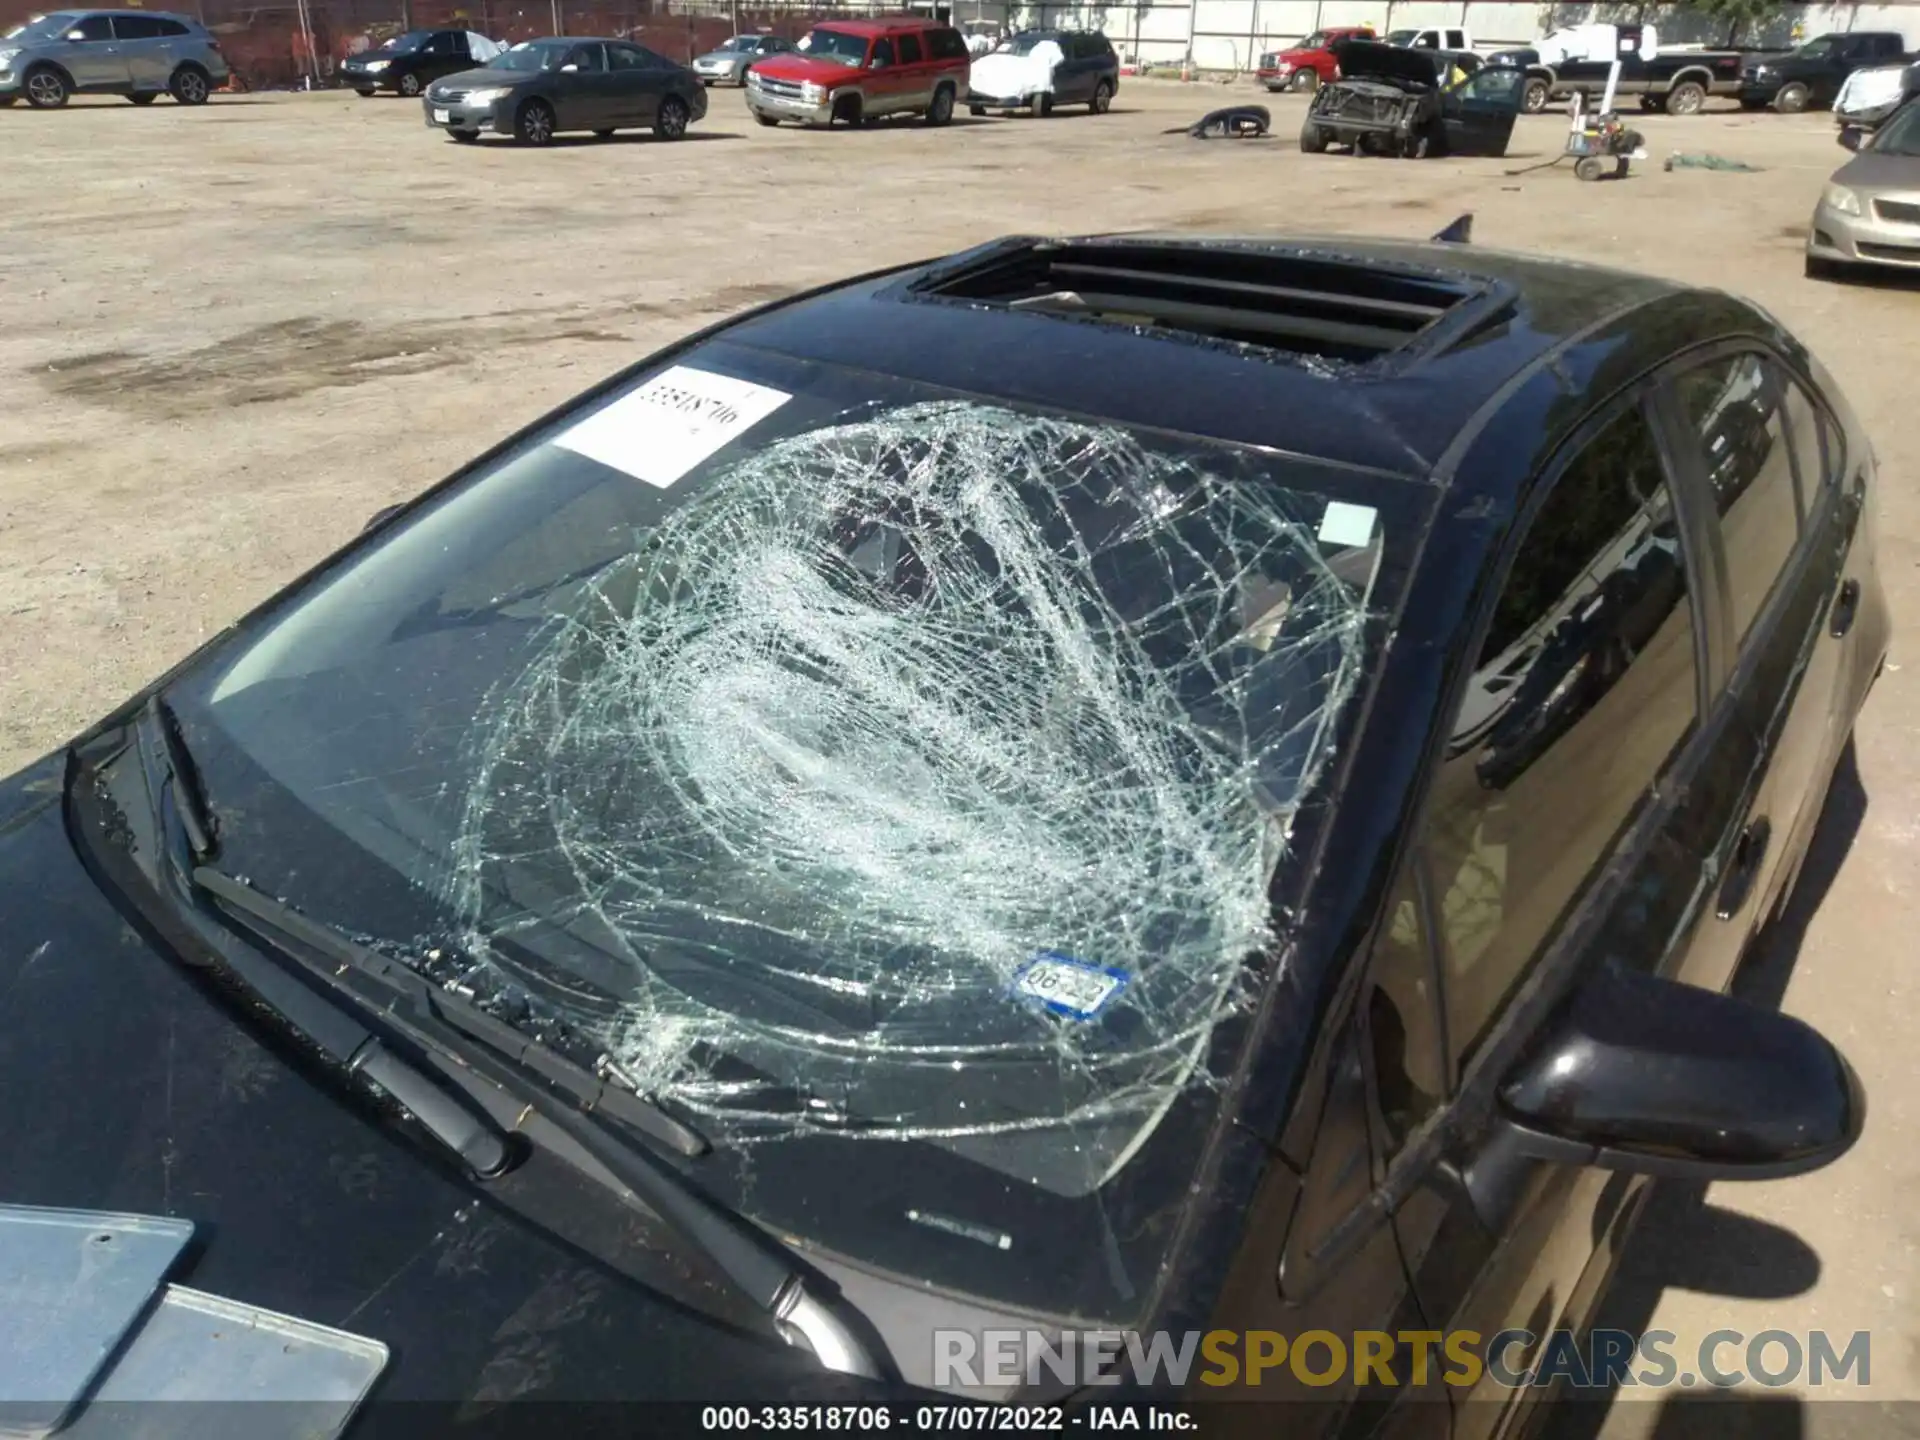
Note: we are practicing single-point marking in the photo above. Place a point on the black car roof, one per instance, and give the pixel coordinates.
(1400, 412)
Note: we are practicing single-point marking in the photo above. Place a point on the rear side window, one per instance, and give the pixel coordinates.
(946, 44)
(1584, 690)
(146, 27)
(1733, 406)
(910, 50)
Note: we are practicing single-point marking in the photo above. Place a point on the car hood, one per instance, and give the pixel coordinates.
(806, 67)
(737, 57)
(132, 1088)
(1370, 60)
(482, 76)
(1871, 172)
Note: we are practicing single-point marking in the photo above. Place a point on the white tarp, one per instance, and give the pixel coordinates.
(1007, 76)
(481, 48)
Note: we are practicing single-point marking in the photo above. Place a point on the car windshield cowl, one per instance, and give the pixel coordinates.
(852, 764)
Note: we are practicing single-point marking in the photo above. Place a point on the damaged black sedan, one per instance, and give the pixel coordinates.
(1076, 787)
(1412, 104)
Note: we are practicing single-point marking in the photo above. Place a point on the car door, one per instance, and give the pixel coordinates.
(913, 74)
(92, 56)
(1577, 819)
(584, 90)
(1770, 454)
(1478, 113)
(639, 80)
(141, 42)
(446, 53)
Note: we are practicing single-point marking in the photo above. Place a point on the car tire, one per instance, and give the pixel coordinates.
(1792, 99)
(464, 137)
(533, 125)
(976, 111)
(1102, 99)
(767, 120)
(409, 86)
(46, 87)
(670, 122)
(1689, 97)
(364, 94)
(1533, 99)
(190, 86)
(145, 97)
(1304, 82)
(1041, 105)
(940, 112)
(848, 110)
(1313, 140)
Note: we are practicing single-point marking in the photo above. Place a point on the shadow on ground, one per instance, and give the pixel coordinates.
(1683, 1242)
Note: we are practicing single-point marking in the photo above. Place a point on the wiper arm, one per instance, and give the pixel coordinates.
(759, 1265)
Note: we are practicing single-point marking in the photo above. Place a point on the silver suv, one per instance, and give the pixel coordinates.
(135, 53)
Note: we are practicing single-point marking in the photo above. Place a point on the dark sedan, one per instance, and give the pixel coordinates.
(948, 817)
(542, 88)
(408, 63)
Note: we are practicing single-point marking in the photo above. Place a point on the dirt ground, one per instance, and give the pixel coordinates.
(231, 334)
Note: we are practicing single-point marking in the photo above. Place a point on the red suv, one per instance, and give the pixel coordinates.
(857, 70)
(1310, 64)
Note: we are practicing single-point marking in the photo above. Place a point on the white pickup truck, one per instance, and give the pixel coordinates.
(1445, 38)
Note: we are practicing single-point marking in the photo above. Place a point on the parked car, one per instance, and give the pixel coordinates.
(1662, 79)
(140, 54)
(1868, 217)
(855, 71)
(408, 63)
(1391, 100)
(952, 759)
(728, 64)
(1811, 77)
(1870, 96)
(542, 88)
(1310, 64)
(1038, 70)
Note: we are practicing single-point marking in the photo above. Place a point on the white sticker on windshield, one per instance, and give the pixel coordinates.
(1068, 986)
(1345, 524)
(670, 424)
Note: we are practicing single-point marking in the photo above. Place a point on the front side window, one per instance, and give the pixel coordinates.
(897, 782)
(93, 28)
(1583, 691)
(1733, 406)
(588, 58)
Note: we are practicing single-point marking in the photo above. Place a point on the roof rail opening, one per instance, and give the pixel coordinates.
(1273, 298)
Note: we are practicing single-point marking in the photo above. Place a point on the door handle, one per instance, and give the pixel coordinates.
(1748, 851)
(1844, 609)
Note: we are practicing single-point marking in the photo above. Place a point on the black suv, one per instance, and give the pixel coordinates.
(1812, 75)
(409, 63)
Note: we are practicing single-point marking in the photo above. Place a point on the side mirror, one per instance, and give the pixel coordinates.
(1850, 137)
(380, 517)
(1653, 1077)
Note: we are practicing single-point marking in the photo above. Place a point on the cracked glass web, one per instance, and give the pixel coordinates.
(880, 713)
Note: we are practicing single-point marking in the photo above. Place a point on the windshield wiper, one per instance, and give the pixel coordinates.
(758, 1264)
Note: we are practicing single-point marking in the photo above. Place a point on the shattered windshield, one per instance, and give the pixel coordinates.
(895, 783)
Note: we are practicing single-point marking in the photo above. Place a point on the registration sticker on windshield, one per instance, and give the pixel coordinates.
(1078, 989)
(660, 431)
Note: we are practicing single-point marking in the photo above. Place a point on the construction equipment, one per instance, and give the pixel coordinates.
(1600, 143)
